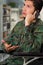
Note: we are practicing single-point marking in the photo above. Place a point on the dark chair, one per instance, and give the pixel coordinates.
(41, 49)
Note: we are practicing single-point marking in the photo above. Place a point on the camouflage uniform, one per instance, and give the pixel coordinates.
(29, 38)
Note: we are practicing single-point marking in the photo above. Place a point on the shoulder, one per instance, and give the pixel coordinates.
(40, 22)
(20, 23)
(18, 26)
(39, 26)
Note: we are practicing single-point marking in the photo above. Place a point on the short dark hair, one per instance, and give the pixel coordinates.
(38, 4)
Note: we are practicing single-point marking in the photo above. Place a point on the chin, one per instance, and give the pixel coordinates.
(24, 15)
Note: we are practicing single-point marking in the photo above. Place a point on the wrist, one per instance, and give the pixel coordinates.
(27, 24)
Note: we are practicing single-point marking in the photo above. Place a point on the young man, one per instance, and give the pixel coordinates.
(27, 35)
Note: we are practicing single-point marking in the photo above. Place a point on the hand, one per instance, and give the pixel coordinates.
(29, 19)
(5, 44)
(9, 47)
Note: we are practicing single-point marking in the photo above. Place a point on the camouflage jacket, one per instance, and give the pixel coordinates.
(29, 38)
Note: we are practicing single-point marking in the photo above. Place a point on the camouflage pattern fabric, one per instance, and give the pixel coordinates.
(29, 38)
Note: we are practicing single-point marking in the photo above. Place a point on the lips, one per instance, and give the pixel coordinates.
(23, 13)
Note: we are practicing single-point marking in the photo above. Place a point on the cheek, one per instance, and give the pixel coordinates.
(30, 11)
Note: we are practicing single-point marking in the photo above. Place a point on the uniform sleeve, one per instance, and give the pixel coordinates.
(28, 37)
(35, 39)
(29, 33)
(14, 37)
(38, 38)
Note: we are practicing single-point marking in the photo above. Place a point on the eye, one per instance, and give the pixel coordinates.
(24, 4)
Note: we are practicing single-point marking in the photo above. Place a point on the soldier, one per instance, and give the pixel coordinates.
(27, 35)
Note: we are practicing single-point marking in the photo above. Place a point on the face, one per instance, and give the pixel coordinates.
(28, 8)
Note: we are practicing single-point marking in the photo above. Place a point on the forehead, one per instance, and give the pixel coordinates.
(28, 2)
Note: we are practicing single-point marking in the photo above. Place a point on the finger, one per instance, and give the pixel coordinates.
(12, 48)
(33, 15)
(15, 46)
(35, 12)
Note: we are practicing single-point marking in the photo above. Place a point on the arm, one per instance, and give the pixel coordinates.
(31, 39)
(10, 43)
(35, 38)
(38, 40)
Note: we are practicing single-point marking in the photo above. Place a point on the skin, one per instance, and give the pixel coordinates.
(28, 12)
(28, 8)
